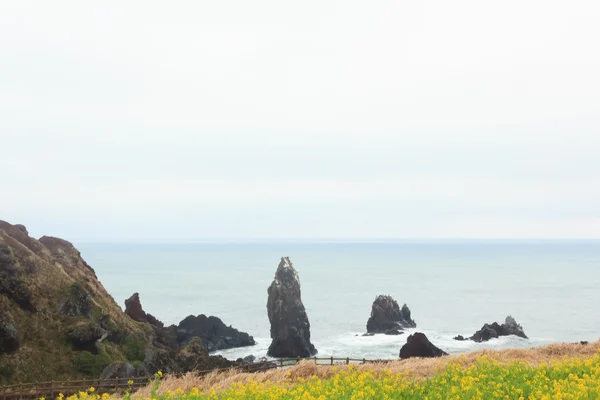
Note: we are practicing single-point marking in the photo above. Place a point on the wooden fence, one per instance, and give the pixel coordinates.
(51, 389)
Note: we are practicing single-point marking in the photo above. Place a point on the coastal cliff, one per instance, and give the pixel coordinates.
(57, 321)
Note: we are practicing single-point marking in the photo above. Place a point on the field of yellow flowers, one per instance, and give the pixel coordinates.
(487, 376)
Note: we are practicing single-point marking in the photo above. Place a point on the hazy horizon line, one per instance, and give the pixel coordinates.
(331, 241)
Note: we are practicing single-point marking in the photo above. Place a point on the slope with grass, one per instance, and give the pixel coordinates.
(65, 324)
(558, 371)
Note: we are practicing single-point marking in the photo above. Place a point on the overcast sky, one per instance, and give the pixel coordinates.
(170, 121)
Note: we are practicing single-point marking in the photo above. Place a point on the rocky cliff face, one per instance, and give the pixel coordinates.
(57, 321)
(290, 329)
(387, 317)
(56, 318)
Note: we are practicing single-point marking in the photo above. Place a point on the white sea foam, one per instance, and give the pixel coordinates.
(354, 345)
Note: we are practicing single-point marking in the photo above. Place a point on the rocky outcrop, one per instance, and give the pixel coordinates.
(53, 307)
(495, 330)
(212, 332)
(12, 282)
(119, 370)
(85, 336)
(417, 345)
(290, 329)
(9, 337)
(194, 357)
(388, 318)
(78, 303)
(133, 308)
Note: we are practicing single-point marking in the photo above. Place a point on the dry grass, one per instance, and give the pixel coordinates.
(416, 367)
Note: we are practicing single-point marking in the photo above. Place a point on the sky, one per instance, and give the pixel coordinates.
(148, 121)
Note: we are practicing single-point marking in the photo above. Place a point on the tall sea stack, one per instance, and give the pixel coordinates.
(290, 329)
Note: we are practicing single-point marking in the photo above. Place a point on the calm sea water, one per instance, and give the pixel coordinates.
(552, 288)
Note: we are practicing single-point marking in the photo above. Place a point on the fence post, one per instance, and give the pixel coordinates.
(347, 360)
(52, 390)
(315, 360)
(331, 360)
(297, 360)
(117, 384)
(3, 392)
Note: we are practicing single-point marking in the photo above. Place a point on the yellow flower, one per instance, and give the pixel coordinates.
(130, 382)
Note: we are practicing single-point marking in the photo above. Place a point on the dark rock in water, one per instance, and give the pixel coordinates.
(85, 335)
(119, 370)
(79, 303)
(417, 345)
(387, 317)
(9, 337)
(213, 333)
(460, 337)
(494, 330)
(290, 329)
(367, 334)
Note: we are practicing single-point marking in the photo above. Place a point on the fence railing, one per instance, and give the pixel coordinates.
(51, 389)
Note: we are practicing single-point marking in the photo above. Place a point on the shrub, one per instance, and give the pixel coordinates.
(90, 364)
(133, 348)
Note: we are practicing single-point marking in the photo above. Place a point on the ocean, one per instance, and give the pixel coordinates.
(552, 288)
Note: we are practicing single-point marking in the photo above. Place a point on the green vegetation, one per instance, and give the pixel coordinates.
(485, 378)
(133, 348)
(90, 364)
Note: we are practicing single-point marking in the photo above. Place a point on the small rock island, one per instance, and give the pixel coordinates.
(388, 318)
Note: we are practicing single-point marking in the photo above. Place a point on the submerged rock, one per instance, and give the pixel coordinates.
(495, 330)
(290, 329)
(388, 318)
(417, 345)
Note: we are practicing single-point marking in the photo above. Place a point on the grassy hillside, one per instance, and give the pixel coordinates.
(66, 323)
(558, 371)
